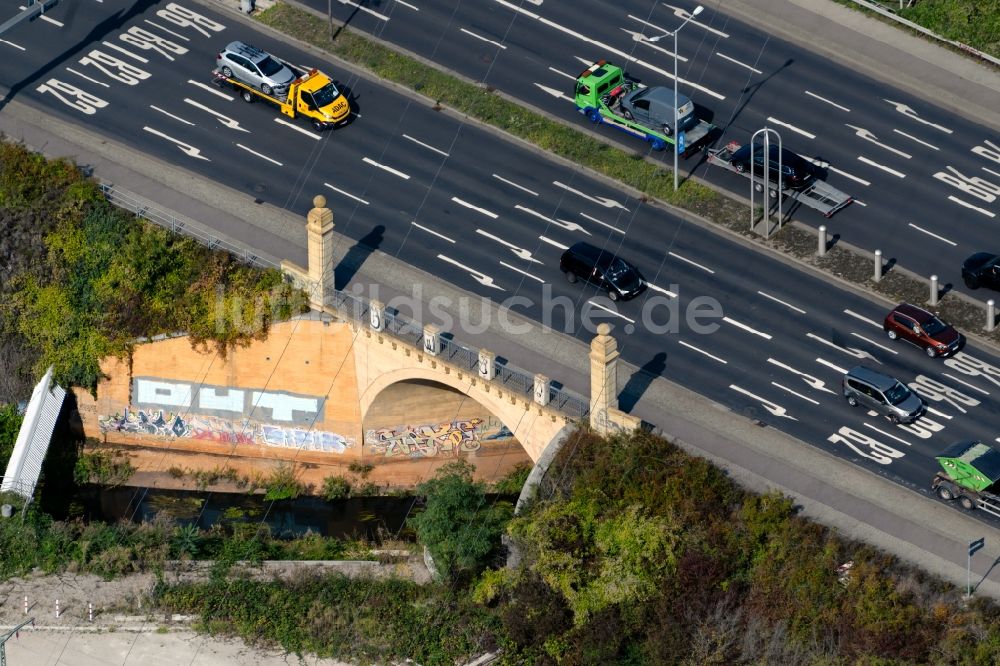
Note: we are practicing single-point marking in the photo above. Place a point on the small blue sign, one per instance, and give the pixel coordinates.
(976, 545)
(680, 142)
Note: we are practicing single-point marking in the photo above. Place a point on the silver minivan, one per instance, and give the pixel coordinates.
(883, 394)
(654, 108)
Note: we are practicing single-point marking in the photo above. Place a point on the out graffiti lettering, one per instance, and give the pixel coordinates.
(450, 439)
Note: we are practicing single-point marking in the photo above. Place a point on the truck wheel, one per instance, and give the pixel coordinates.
(247, 96)
(226, 72)
(967, 503)
(667, 129)
(318, 126)
(627, 114)
(740, 167)
(773, 193)
(595, 116)
(944, 492)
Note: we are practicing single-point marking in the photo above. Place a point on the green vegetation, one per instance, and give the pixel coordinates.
(335, 488)
(284, 484)
(80, 279)
(459, 526)
(105, 468)
(10, 424)
(513, 482)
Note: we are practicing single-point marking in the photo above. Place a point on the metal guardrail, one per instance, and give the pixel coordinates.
(408, 331)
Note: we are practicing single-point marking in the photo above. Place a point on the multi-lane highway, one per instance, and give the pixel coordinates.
(926, 181)
(493, 218)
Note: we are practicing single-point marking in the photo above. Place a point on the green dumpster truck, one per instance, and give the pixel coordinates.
(607, 96)
(970, 470)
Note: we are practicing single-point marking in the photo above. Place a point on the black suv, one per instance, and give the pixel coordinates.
(796, 172)
(603, 269)
(982, 270)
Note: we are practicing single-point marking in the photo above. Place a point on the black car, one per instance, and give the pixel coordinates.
(603, 269)
(982, 270)
(797, 172)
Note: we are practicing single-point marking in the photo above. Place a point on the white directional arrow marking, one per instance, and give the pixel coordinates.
(565, 224)
(187, 148)
(555, 92)
(772, 407)
(520, 252)
(603, 201)
(907, 111)
(481, 278)
(684, 14)
(225, 120)
(868, 136)
(816, 383)
(856, 353)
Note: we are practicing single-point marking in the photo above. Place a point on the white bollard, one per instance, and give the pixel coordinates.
(90, 611)
(821, 250)
(878, 265)
(25, 604)
(991, 315)
(57, 608)
(934, 290)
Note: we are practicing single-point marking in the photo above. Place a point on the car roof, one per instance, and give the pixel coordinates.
(981, 260)
(869, 376)
(661, 94)
(598, 256)
(247, 50)
(914, 312)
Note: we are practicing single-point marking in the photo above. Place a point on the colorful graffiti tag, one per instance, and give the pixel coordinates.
(212, 428)
(442, 439)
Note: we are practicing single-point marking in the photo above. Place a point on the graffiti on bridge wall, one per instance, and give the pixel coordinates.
(451, 438)
(216, 429)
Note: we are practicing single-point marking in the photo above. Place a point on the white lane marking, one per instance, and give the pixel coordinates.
(702, 351)
(823, 99)
(45, 18)
(126, 52)
(968, 205)
(524, 273)
(907, 111)
(684, 15)
(555, 92)
(488, 213)
(603, 201)
(226, 121)
(519, 252)
(167, 30)
(826, 165)
(431, 231)
(263, 157)
(964, 383)
(991, 171)
(409, 6)
(603, 224)
(212, 89)
(156, 108)
(389, 169)
(850, 351)
(185, 148)
(16, 46)
(661, 290)
(785, 388)
(303, 130)
(859, 202)
(346, 194)
(553, 243)
(607, 309)
(481, 278)
(560, 73)
(940, 238)
(737, 62)
(84, 76)
(381, 17)
(872, 342)
(695, 264)
(863, 318)
(639, 37)
(480, 37)
(512, 183)
(791, 127)
(931, 410)
(898, 174)
(607, 48)
(869, 136)
(778, 300)
(913, 138)
(421, 143)
(746, 328)
(831, 365)
(847, 175)
(565, 224)
(773, 407)
(883, 432)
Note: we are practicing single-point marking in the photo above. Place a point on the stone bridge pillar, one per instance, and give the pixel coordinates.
(605, 417)
(319, 231)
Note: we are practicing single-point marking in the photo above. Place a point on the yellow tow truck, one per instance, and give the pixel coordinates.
(312, 95)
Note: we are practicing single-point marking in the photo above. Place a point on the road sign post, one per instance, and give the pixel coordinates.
(973, 547)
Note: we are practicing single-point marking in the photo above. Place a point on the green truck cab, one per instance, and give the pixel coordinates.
(970, 471)
(599, 93)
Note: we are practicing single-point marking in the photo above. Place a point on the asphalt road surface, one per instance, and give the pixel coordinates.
(493, 218)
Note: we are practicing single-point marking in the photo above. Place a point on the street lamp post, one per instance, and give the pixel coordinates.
(697, 10)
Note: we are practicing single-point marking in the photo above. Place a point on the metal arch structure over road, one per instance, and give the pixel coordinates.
(492, 218)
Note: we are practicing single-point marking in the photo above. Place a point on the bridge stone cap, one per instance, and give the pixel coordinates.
(320, 215)
(603, 344)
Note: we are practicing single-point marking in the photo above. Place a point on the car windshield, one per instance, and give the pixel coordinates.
(325, 95)
(934, 326)
(620, 272)
(897, 393)
(269, 66)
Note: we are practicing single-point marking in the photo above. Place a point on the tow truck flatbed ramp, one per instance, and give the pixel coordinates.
(819, 195)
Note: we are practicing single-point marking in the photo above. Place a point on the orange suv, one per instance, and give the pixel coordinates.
(922, 329)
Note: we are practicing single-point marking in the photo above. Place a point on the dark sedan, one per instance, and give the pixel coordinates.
(796, 172)
(982, 270)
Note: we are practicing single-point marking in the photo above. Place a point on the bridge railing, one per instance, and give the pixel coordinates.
(399, 326)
